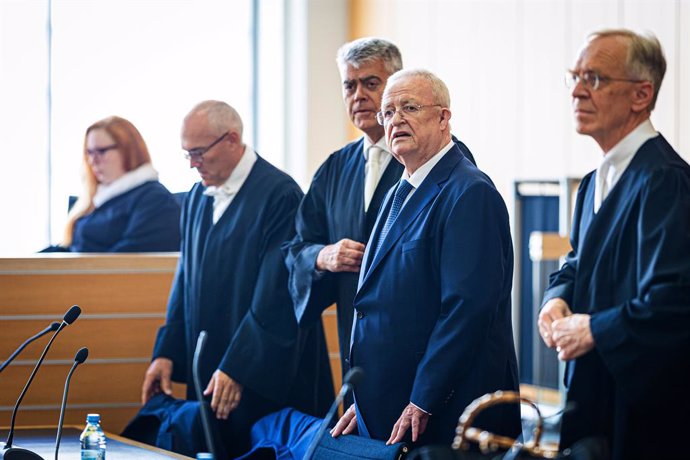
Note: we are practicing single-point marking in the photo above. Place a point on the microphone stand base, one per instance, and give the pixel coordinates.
(17, 453)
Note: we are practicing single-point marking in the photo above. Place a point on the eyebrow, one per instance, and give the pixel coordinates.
(363, 80)
(407, 100)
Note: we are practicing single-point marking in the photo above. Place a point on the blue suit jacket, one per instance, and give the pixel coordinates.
(333, 209)
(433, 320)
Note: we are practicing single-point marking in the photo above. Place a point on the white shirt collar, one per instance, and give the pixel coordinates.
(381, 143)
(420, 174)
(620, 156)
(128, 181)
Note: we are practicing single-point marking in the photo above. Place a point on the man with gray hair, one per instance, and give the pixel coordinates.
(337, 214)
(231, 282)
(618, 311)
(432, 327)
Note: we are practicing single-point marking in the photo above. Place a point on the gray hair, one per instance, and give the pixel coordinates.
(645, 59)
(221, 116)
(439, 90)
(368, 49)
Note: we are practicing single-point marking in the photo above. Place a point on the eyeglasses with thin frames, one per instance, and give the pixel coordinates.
(100, 151)
(386, 115)
(591, 80)
(198, 153)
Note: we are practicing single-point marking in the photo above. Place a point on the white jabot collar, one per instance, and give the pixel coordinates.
(620, 156)
(233, 183)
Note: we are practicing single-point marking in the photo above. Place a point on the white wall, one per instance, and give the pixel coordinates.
(504, 60)
(315, 119)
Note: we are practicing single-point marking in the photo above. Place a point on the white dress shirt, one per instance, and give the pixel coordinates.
(420, 174)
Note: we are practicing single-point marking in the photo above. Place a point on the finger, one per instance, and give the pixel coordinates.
(351, 426)
(343, 422)
(210, 386)
(415, 427)
(341, 425)
(422, 424)
(545, 332)
(233, 399)
(166, 384)
(402, 429)
(224, 391)
(214, 390)
(146, 389)
(354, 254)
(394, 432)
(354, 245)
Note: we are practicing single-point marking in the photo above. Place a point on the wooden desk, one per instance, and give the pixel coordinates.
(41, 440)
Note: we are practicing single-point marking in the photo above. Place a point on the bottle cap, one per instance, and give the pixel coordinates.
(204, 456)
(93, 418)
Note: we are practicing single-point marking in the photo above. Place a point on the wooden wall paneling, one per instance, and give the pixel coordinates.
(103, 337)
(123, 300)
(330, 326)
(95, 293)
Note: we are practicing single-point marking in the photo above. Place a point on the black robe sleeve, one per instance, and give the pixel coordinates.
(268, 336)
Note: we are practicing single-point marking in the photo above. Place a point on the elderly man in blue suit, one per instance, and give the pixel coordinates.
(432, 328)
(618, 311)
(335, 218)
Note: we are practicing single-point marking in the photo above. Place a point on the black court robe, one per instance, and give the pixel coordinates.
(630, 270)
(333, 209)
(231, 281)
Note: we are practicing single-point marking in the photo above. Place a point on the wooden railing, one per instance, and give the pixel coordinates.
(123, 300)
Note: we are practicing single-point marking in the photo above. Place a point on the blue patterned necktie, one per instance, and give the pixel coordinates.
(401, 193)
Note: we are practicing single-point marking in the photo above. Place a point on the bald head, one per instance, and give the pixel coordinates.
(220, 117)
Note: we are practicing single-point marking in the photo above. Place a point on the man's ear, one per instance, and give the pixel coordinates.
(445, 118)
(642, 96)
(234, 137)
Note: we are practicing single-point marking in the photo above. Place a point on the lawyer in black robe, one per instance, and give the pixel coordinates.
(231, 281)
(630, 270)
(618, 311)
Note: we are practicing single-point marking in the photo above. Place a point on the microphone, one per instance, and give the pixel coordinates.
(205, 422)
(79, 358)
(14, 453)
(351, 380)
(52, 327)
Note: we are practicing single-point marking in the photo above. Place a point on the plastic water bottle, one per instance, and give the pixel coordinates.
(92, 439)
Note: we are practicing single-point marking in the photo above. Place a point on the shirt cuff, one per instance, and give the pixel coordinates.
(426, 412)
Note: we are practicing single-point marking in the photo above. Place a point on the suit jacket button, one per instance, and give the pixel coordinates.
(360, 315)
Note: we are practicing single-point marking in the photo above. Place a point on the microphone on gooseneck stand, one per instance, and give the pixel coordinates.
(205, 422)
(15, 453)
(351, 380)
(52, 327)
(79, 358)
